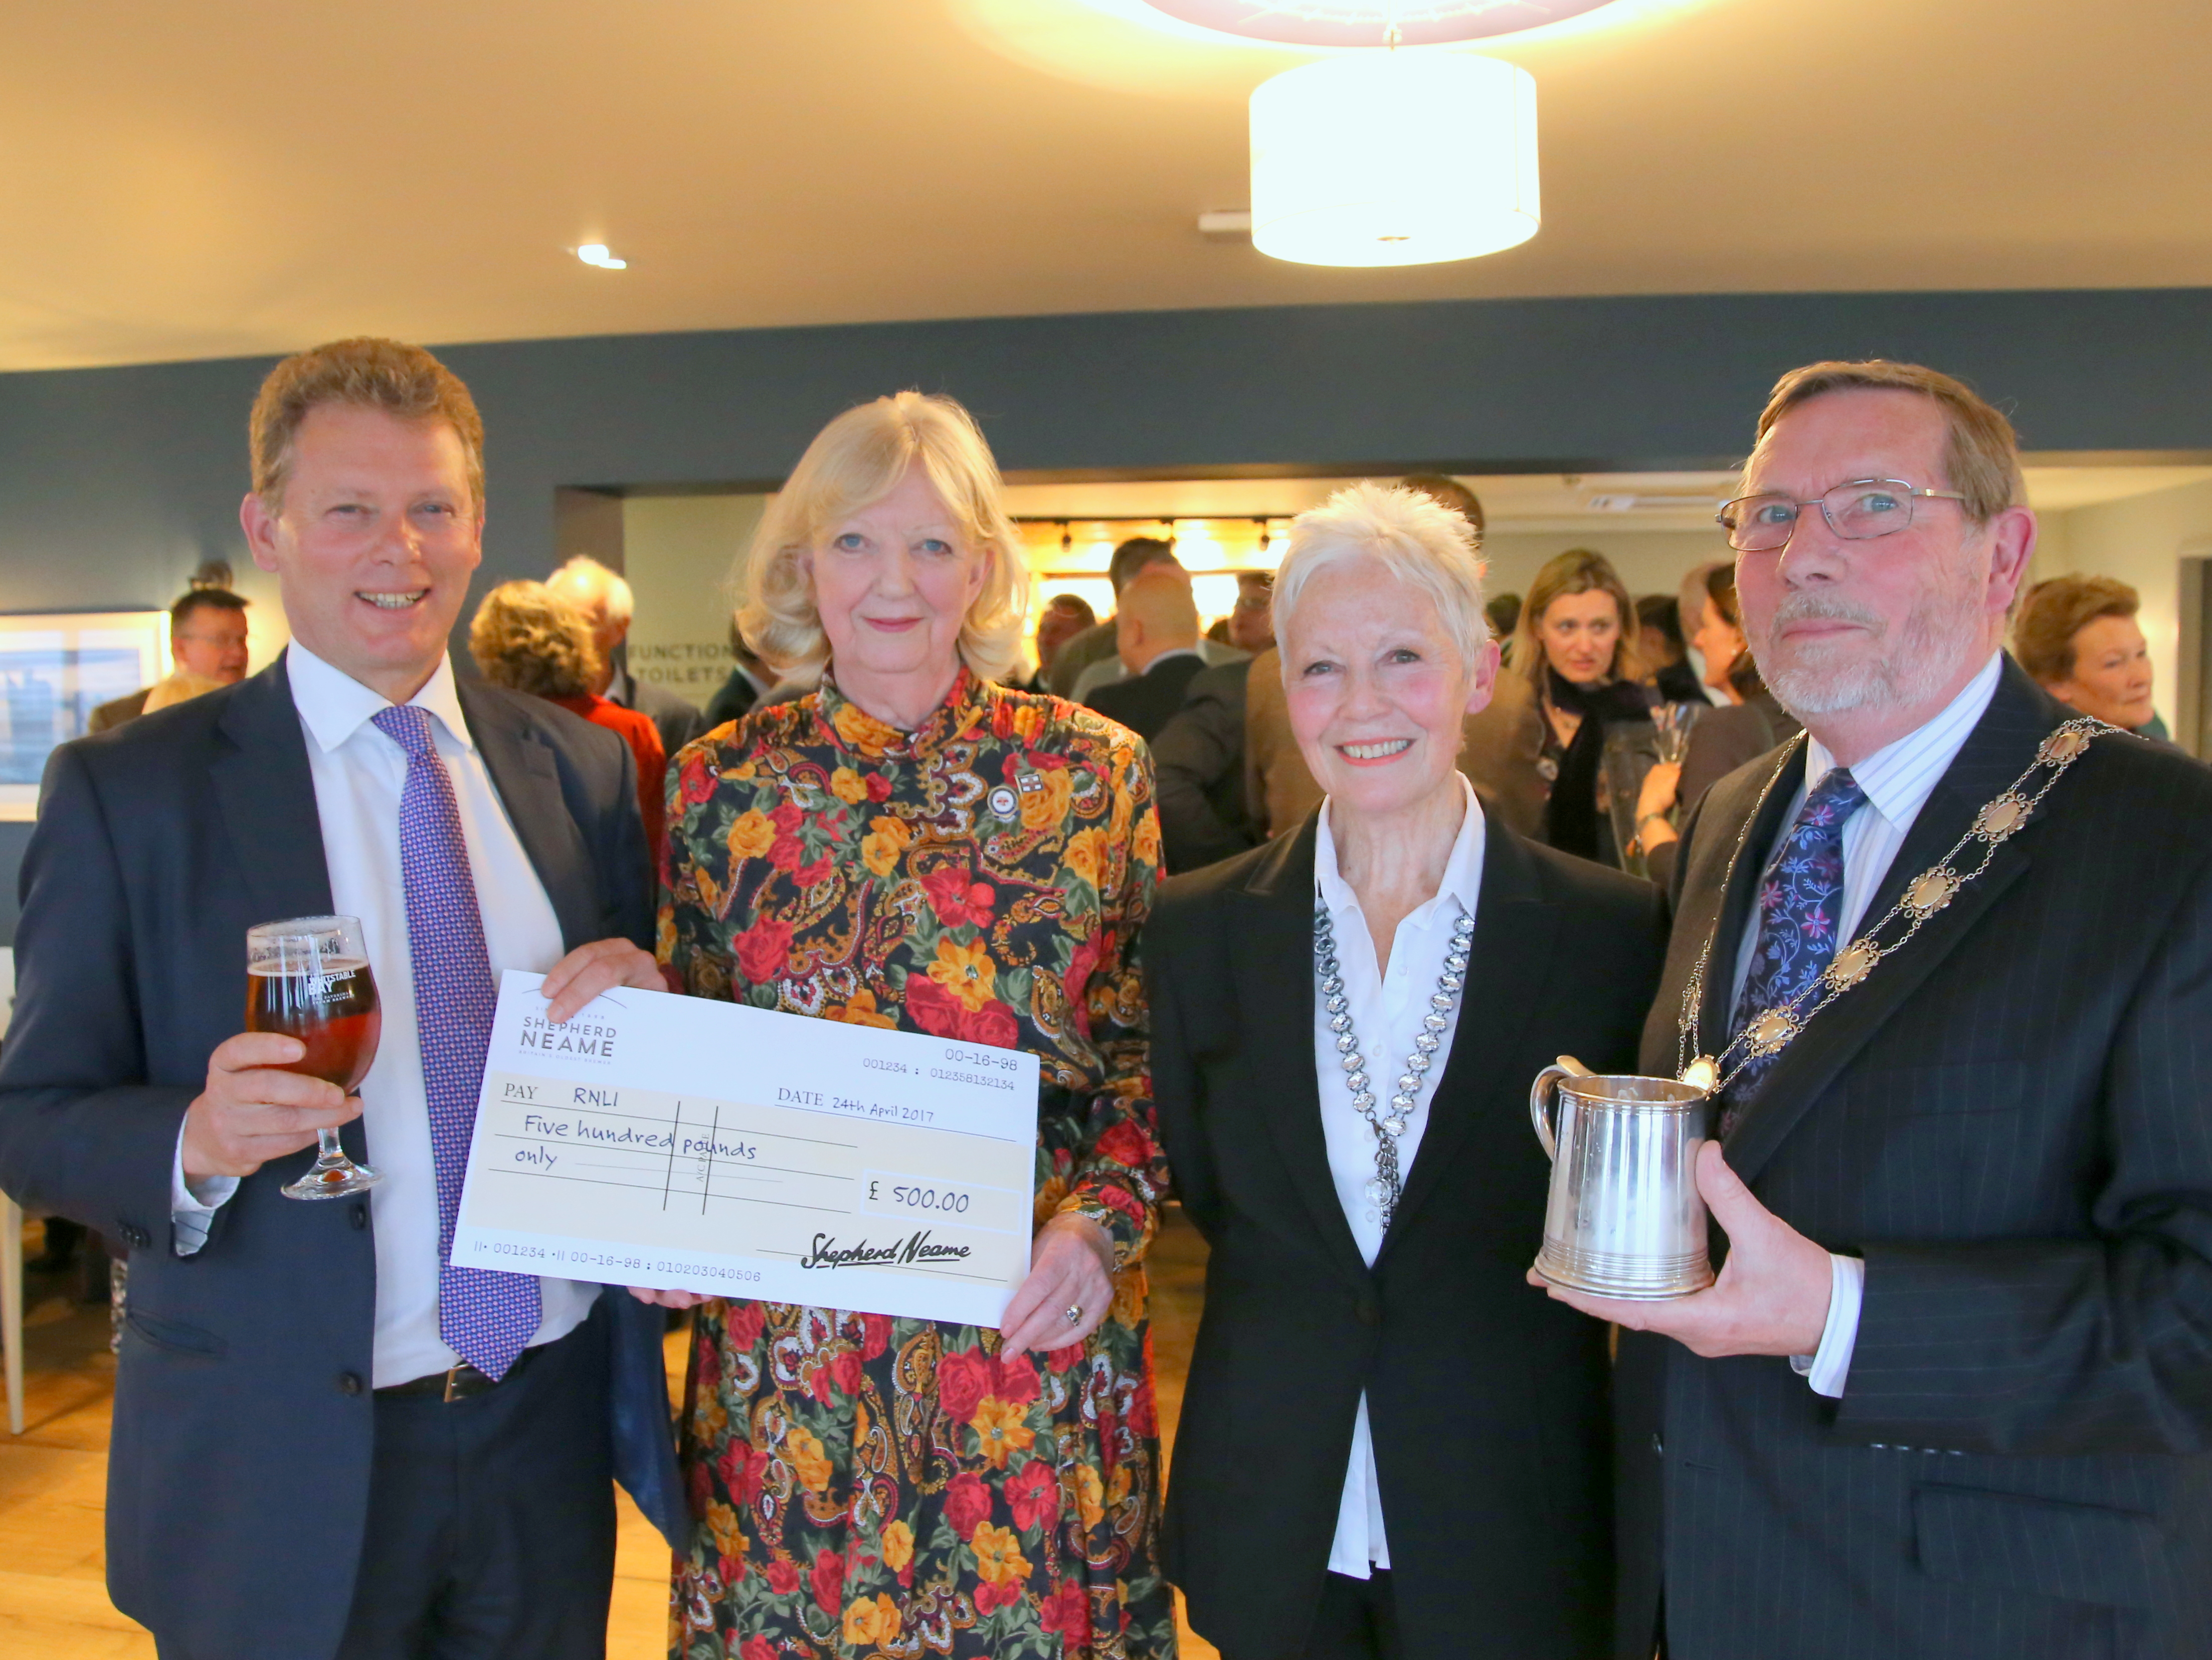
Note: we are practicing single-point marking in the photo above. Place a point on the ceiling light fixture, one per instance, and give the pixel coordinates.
(1385, 157)
(597, 253)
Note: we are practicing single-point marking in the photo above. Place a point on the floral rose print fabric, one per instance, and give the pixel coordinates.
(862, 1485)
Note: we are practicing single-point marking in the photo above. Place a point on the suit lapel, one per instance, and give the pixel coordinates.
(1271, 955)
(2000, 749)
(1505, 981)
(522, 771)
(1736, 899)
(267, 794)
(1506, 969)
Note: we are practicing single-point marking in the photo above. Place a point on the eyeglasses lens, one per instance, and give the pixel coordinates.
(1858, 512)
(1862, 511)
(1760, 524)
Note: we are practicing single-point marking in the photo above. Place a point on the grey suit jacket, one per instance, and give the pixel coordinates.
(2011, 1122)
(239, 1469)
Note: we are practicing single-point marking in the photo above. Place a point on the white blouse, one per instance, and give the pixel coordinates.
(1386, 1010)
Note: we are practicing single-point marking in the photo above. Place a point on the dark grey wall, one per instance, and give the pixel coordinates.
(115, 483)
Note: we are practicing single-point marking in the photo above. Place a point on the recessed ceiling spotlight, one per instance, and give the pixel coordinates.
(596, 253)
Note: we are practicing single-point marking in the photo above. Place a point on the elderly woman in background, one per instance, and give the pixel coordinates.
(1750, 724)
(2077, 638)
(914, 846)
(1387, 1446)
(1576, 645)
(529, 638)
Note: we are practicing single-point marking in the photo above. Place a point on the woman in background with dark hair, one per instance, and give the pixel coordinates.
(1724, 739)
(1666, 654)
(1576, 646)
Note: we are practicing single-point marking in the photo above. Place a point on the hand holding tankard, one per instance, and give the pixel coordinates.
(1628, 1209)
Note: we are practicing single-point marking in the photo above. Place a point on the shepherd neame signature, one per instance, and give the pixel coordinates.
(914, 1247)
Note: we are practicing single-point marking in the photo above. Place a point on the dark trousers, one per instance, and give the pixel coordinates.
(491, 1520)
(1357, 1619)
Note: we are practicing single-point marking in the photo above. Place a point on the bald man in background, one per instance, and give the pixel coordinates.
(1156, 637)
(605, 599)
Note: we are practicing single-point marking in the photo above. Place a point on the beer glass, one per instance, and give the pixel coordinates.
(308, 978)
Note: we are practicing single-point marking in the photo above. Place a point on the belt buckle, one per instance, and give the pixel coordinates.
(453, 1377)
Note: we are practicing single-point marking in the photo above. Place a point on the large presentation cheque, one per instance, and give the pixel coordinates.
(696, 1145)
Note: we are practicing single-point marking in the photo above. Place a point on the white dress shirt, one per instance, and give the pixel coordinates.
(359, 773)
(1898, 780)
(1386, 1010)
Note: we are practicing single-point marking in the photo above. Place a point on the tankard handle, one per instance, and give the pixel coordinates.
(1543, 1097)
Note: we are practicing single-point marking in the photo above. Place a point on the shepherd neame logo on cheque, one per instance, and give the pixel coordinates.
(914, 1247)
(576, 1038)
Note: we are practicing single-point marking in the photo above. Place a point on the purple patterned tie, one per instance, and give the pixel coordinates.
(1800, 903)
(487, 1318)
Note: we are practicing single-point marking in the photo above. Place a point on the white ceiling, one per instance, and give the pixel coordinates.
(1531, 503)
(237, 177)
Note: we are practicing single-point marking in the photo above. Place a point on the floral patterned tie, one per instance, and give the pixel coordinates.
(1800, 904)
(487, 1318)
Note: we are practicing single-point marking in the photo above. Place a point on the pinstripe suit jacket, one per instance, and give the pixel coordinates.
(2011, 1121)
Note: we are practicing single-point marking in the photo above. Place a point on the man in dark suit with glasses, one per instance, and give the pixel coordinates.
(1950, 957)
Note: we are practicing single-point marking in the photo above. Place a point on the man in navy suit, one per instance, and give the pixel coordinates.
(329, 1442)
(1156, 628)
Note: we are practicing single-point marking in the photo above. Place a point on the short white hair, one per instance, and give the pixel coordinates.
(586, 576)
(1422, 543)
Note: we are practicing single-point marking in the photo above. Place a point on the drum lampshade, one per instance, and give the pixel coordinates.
(1394, 158)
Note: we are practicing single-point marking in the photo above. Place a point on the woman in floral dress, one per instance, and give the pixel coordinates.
(916, 847)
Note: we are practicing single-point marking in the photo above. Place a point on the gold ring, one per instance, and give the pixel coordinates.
(1075, 1313)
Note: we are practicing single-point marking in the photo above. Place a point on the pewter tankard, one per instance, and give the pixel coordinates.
(1625, 1217)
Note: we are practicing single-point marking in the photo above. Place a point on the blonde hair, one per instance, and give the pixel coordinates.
(390, 375)
(1417, 539)
(527, 638)
(2052, 613)
(1981, 452)
(1578, 570)
(855, 461)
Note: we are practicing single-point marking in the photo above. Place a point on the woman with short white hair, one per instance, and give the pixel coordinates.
(916, 845)
(1390, 1445)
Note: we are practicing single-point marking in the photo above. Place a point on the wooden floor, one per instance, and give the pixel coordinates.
(53, 1600)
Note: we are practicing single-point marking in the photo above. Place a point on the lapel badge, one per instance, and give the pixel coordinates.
(1003, 802)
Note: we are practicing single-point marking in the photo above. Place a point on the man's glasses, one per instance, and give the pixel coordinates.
(1858, 512)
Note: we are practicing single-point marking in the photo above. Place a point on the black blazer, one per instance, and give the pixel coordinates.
(2011, 1121)
(1199, 756)
(1146, 703)
(238, 1473)
(1486, 1401)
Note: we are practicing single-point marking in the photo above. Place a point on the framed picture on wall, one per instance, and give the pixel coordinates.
(55, 668)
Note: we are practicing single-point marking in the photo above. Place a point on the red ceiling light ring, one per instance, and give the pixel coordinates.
(1352, 23)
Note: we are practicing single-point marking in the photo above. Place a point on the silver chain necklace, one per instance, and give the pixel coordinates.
(1384, 1189)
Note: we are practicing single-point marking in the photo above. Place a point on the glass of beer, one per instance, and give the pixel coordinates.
(308, 978)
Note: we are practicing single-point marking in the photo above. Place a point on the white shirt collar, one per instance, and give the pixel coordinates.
(1462, 878)
(334, 706)
(1898, 778)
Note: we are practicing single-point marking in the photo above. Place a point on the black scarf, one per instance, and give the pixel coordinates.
(1571, 816)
